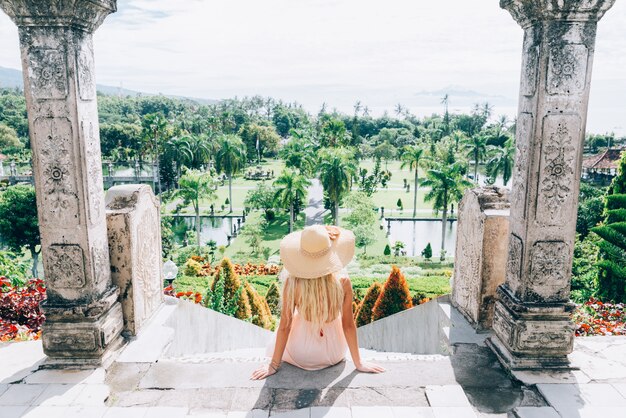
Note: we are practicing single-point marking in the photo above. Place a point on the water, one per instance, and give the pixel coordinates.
(216, 229)
(417, 234)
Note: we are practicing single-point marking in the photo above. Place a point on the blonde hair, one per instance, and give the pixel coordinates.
(318, 300)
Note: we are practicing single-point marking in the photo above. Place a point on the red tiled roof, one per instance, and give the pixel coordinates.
(605, 160)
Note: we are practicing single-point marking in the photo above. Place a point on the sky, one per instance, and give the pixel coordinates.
(336, 52)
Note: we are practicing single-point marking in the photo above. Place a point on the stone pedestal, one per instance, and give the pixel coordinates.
(134, 231)
(84, 318)
(481, 251)
(531, 323)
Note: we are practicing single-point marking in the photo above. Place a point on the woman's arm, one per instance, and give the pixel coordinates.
(349, 330)
(282, 335)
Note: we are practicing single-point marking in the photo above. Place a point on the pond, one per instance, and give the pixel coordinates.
(417, 234)
(211, 228)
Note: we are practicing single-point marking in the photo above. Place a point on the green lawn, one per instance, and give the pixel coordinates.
(239, 251)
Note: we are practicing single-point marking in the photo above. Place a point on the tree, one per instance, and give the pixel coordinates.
(19, 227)
(233, 288)
(193, 186)
(259, 140)
(362, 218)
(394, 297)
(273, 298)
(336, 168)
(230, 159)
(387, 250)
(262, 197)
(290, 187)
(446, 183)
(364, 314)
(413, 158)
(476, 149)
(501, 161)
(385, 151)
(253, 233)
(398, 246)
(612, 265)
(259, 309)
(427, 252)
(154, 130)
(298, 154)
(8, 138)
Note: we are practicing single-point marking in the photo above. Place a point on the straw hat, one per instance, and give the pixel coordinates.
(316, 251)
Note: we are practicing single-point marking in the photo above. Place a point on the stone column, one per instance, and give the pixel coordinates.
(481, 251)
(84, 317)
(531, 322)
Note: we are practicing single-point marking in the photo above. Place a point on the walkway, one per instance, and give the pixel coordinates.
(315, 209)
(147, 382)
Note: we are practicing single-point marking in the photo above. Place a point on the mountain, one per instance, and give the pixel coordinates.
(11, 78)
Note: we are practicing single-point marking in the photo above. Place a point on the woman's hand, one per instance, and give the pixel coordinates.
(263, 372)
(366, 367)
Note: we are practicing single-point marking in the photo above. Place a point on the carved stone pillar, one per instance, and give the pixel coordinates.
(84, 317)
(531, 322)
(481, 251)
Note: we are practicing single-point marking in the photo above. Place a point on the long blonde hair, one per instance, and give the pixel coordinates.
(318, 300)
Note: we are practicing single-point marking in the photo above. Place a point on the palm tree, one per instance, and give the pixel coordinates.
(501, 161)
(230, 159)
(336, 168)
(446, 183)
(290, 187)
(195, 151)
(476, 149)
(154, 128)
(193, 186)
(413, 158)
(298, 153)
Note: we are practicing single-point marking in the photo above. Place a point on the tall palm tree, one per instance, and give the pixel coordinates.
(230, 158)
(413, 157)
(290, 187)
(446, 183)
(154, 130)
(501, 161)
(298, 153)
(193, 186)
(336, 168)
(476, 149)
(195, 150)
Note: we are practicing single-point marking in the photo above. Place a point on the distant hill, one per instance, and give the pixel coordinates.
(11, 78)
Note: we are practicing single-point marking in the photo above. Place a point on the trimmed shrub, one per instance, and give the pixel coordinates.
(395, 296)
(364, 316)
(261, 315)
(273, 298)
(192, 268)
(232, 286)
(387, 250)
(427, 252)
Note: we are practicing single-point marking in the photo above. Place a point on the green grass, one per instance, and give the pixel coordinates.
(239, 251)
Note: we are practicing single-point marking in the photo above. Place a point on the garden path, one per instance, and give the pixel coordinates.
(146, 382)
(315, 209)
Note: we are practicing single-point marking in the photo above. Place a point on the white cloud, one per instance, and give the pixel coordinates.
(332, 51)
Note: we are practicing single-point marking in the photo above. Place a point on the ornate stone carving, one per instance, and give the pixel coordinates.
(72, 340)
(528, 12)
(520, 177)
(65, 266)
(514, 262)
(567, 69)
(56, 162)
(530, 61)
(549, 278)
(94, 172)
(148, 263)
(535, 336)
(556, 188)
(47, 73)
(100, 261)
(84, 71)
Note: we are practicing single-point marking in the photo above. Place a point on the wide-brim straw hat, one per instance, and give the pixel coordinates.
(316, 251)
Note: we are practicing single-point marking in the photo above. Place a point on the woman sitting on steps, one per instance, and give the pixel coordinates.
(317, 325)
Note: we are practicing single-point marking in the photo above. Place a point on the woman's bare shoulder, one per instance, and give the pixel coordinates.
(345, 282)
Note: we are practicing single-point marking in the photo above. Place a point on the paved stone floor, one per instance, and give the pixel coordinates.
(469, 383)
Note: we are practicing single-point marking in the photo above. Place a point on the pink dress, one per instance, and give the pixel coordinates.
(312, 349)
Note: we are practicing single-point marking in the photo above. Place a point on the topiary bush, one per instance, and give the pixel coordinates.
(364, 316)
(273, 298)
(395, 296)
(232, 286)
(261, 315)
(427, 252)
(387, 250)
(192, 268)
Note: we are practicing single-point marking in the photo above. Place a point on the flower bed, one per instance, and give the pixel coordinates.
(597, 318)
(20, 315)
(248, 269)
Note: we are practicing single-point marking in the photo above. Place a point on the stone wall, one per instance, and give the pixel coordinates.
(134, 232)
(481, 252)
